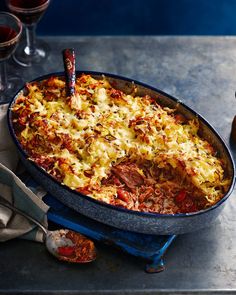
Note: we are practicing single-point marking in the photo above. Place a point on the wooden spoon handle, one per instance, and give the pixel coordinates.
(69, 65)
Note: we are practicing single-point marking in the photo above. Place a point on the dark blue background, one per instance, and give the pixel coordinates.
(138, 17)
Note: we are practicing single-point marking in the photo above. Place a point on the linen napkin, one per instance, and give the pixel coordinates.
(17, 193)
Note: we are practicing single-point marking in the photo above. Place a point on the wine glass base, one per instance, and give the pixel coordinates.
(23, 57)
(13, 86)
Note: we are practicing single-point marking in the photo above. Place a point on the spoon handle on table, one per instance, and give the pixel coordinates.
(5, 203)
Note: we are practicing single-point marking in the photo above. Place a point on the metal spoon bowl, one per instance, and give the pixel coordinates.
(64, 244)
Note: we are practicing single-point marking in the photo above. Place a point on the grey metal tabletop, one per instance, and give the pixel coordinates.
(200, 71)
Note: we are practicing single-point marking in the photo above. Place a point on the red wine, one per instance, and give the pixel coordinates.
(6, 35)
(26, 4)
(28, 11)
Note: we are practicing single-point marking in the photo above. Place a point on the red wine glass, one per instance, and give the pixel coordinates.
(10, 31)
(29, 12)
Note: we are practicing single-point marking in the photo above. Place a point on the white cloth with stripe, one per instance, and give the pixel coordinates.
(14, 191)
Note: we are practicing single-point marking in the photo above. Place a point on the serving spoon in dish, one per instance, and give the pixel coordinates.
(69, 67)
(64, 244)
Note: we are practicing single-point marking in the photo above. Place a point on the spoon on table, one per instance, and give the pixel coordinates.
(64, 244)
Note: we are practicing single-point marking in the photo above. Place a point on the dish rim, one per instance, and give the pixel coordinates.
(101, 203)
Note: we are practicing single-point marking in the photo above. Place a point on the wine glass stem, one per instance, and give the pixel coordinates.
(3, 76)
(30, 48)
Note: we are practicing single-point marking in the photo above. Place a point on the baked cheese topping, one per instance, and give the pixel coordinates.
(80, 140)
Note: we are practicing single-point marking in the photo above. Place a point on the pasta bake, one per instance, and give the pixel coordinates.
(123, 149)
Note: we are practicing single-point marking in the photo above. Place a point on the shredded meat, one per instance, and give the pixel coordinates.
(128, 173)
(140, 187)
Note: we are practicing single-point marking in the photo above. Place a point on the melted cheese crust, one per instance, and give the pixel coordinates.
(78, 140)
